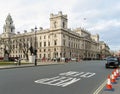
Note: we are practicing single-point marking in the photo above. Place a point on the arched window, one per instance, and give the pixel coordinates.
(63, 24)
(55, 24)
(55, 42)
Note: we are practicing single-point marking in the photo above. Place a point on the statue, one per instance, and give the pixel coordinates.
(31, 50)
(6, 55)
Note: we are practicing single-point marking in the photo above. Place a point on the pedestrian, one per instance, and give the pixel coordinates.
(19, 61)
(16, 61)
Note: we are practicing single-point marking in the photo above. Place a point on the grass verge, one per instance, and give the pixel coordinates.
(2, 63)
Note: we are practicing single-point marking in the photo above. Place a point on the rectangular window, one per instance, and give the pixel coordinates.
(54, 49)
(44, 37)
(64, 42)
(40, 44)
(40, 50)
(48, 43)
(69, 44)
(48, 55)
(44, 55)
(44, 50)
(40, 55)
(55, 42)
(13, 46)
(44, 44)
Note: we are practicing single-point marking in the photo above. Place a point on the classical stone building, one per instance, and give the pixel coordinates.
(56, 42)
(104, 50)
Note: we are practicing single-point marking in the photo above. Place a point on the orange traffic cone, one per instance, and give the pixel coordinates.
(117, 72)
(113, 78)
(108, 85)
(115, 75)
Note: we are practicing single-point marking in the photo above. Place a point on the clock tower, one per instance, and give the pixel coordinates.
(8, 28)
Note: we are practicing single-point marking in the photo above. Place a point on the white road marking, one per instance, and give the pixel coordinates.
(46, 79)
(71, 73)
(87, 75)
(73, 80)
(65, 79)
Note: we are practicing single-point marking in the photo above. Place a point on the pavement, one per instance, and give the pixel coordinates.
(29, 65)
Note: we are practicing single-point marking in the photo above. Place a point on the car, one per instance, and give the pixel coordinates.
(73, 59)
(104, 59)
(112, 62)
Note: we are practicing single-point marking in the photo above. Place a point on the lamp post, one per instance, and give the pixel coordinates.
(35, 50)
(1, 52)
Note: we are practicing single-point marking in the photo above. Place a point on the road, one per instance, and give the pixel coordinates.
(69, 78)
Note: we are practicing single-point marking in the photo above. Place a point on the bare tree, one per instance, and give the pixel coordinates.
(6, 45)
(24, 47)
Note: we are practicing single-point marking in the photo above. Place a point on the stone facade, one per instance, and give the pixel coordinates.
(104, 50)
(56, 42)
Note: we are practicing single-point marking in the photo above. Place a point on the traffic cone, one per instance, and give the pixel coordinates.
(108, 85)
(115, 75)
(113, 80)
(117, 72)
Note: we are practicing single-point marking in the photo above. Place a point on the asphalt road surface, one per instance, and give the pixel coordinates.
(69, 78)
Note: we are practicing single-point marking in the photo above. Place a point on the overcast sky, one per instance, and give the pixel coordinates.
(101, 16)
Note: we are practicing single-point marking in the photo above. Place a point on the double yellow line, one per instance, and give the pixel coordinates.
(100, 87)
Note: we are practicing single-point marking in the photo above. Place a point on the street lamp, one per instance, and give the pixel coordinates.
(1, 51)
(35, 50)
